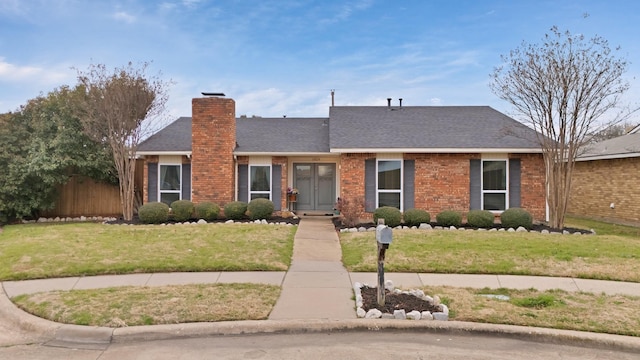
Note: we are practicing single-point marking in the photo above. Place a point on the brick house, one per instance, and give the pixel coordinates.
(428, 157)
(605, 180)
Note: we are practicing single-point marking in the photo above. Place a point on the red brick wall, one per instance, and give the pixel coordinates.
(352, 181)
(532, 188)
(442, 181)
(213, 127)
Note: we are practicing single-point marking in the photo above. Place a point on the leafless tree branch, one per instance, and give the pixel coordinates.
(562, 88)
(119, 108)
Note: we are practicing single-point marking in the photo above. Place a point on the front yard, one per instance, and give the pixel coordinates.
(55, 250)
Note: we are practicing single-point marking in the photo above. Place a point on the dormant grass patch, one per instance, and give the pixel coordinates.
(614, 314)
(129, 306)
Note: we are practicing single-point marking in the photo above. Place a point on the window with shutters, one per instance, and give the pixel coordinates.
(389, 183)
(494, 185)
(259, 182)
(170, 184)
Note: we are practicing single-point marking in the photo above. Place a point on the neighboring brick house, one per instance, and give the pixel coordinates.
(428, 157)
(606, 180)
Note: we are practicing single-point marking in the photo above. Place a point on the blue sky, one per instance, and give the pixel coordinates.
(283, 57)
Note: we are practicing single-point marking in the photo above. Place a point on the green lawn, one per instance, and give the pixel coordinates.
(611, 257)
(34, 251)
(603, 228)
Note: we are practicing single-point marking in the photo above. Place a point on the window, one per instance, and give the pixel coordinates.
(260, 182)
(494, 185)
(170, 184)
(389, 191)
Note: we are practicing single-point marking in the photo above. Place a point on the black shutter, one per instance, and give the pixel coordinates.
(243, 183)
(186, 181)
(514, 183)
(408, 184)
(370, 185)
(152, 182)
(475, 181)
(276, 187)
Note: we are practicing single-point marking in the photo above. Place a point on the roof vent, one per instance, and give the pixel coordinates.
(389, 102)
(212, 94)
(400, 102)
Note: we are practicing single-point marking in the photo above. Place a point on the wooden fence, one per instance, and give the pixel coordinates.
(81, 196)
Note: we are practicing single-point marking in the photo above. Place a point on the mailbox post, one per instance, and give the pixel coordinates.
(384, 236)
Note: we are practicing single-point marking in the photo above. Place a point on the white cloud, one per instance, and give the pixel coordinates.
(190, 3)
(124, 16)
(28, 73)
(166, 6)
(435, 101)
(346, 11)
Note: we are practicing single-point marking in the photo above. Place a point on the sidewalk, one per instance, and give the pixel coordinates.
(316, 289)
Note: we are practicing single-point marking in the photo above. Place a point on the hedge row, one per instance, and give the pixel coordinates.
(510, 218)
(185, 210)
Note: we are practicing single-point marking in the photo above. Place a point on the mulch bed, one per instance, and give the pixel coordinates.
(406, 302)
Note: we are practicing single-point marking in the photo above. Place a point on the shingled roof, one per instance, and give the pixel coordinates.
(427, 129)
(282, 135)
(366, 129)
(625, 146)
(175, 137)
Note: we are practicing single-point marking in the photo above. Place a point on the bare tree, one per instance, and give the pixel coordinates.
(562, 88)
(612, 131)
(119, 108)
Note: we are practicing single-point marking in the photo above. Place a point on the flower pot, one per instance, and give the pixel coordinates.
(293, 197)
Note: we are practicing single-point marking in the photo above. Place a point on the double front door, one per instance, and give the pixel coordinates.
(316, 184)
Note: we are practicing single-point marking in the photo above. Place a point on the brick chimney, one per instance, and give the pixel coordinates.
(213, 139)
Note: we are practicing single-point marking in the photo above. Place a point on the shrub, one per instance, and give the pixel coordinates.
(449, 218)
(260, 209)
(235, 210)
(207, 210)
(516, 217)
(415, 217)
(153, 213)
(182, 210)
(392, 216)
(480, 218)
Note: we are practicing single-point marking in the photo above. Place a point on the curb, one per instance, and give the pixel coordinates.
(542, 335)
(32, 328)
(56, 334)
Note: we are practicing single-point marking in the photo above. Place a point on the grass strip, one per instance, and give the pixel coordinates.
(130, 306)
(556, 309)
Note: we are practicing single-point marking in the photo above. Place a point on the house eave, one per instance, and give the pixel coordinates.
(608, 157)
(255, 153)
(438, 150)
(159, 153)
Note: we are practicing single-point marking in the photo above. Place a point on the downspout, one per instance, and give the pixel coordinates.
(235, 188)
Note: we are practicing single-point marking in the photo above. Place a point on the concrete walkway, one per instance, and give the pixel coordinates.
(316, 286)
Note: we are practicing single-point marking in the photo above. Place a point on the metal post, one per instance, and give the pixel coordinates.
(381, 252)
